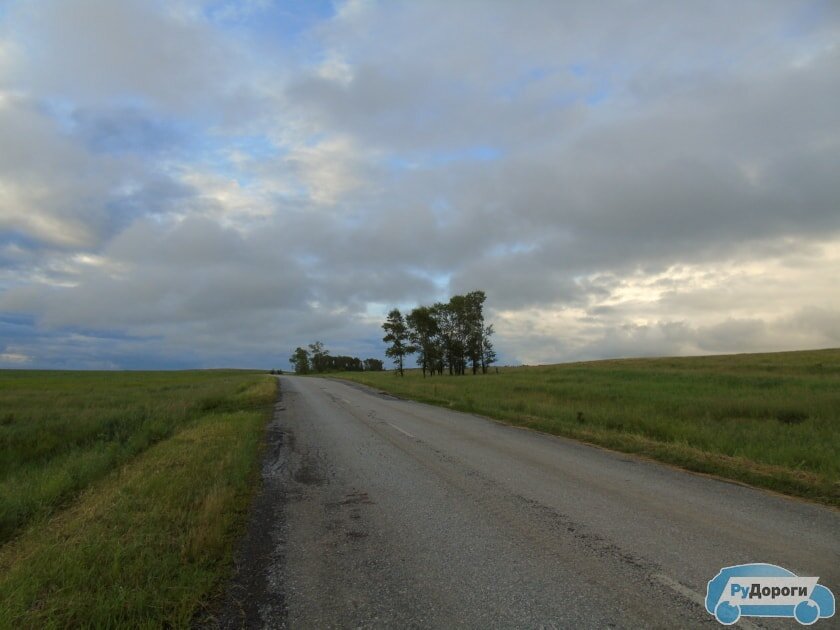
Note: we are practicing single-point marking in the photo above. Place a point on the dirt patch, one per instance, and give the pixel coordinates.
(308, 472)
(356, 498)
(352, 535)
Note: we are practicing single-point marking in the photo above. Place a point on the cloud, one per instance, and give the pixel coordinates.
(126, 130)
(783, 301)
(152, 275)
(328, 169)
(94, 51)
(49, 188)
(14, 358)
(194, 183)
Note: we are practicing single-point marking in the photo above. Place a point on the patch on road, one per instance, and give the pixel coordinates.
(308, 471)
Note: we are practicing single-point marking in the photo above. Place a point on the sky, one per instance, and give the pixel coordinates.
(209, 183)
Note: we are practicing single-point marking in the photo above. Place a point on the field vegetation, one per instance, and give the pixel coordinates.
(121, 493)
(771, 420)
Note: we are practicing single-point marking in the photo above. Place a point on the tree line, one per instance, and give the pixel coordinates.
(446, 335)
(318, 359)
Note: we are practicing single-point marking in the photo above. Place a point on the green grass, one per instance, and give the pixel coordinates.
(121, 493)
(771, 420)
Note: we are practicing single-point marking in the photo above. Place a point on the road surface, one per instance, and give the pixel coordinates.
(380, 512)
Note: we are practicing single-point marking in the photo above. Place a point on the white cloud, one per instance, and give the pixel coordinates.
(330, 169)
(335, 68)
(14, 358)
(783, 302)
(176, 179)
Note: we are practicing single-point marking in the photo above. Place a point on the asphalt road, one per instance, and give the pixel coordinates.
(379, 512)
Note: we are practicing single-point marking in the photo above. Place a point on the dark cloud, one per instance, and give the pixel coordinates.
(150, 275)
(127, 130)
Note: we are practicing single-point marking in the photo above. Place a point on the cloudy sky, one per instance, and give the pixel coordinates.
(197, 183)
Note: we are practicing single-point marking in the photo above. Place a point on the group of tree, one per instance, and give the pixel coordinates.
(318, 359)
(446, 335)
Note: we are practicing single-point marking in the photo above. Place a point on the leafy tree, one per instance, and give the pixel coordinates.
(449, 341)
(318, 359)
(423, 330)
(458, 312)
(451, 335)
(373, 365)
(396, 333)
(440, 343)
(300, 361)
(473, 326)
(320, 356)
(342, 363)
(488, 353)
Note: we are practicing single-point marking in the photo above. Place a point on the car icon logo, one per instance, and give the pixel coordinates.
(766, 590)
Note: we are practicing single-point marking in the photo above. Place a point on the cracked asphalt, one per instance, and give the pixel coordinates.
(376, 512)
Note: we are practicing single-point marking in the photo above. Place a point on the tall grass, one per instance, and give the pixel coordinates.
(122, 492)
(768, 419)
(60, 431)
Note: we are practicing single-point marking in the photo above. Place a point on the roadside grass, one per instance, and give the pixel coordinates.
(121, 493)
(770, 420)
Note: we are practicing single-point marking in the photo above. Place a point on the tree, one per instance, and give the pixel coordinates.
(373, 365)
(423, 330)
(450, 344)
(488, 353)
(449, 334)
(438, 357)
(319, 359)
(343, 363)
(320, 356)
(396, 333)
(473, 325)
(300, 360)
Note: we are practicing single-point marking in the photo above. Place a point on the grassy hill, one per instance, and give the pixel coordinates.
(121, 493)
(772, 420)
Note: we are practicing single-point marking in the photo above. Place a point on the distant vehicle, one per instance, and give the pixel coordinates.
(729, 591)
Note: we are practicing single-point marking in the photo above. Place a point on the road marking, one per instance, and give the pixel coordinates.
(695, 597)
(403, 432)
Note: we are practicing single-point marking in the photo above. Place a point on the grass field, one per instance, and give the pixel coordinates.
(771, 420)
(121, 493)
